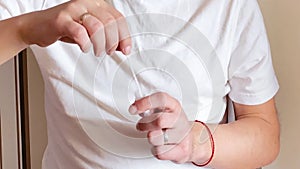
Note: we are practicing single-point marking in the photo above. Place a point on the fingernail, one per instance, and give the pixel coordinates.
(133, 109)
(146, 113)
(86, 48)
(98, 54)
(110, 52)
(127, 50)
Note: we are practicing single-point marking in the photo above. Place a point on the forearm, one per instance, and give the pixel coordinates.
(250, 142)
(246, 143)
(65, 22)
(10, 39)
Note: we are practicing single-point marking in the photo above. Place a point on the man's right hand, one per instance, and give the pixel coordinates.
(83, 22)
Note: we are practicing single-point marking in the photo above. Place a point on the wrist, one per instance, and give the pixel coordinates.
(24, 31)
(11, 41)
(20, 29)
(202, 144)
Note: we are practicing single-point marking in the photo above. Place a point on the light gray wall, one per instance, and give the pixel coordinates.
(283, 25)
(9, 134)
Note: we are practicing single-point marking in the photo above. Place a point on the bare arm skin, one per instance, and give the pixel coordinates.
(250, 142)
(104, 27)
(10, 42)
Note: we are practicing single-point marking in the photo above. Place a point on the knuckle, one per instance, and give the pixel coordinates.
(163, 97)
(60, 15)
(73, 6)
(177, 103)
(59, 18)
(142, 104)
(78, 32)
(120, 18)
(99, 4)
(118, 15)
(161, 121)
(97, 25)
(162, 94)
(176, 106)
(109, 20)
(104, 5)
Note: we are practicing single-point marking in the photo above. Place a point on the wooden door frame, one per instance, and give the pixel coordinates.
(17, 69)
(22, 109)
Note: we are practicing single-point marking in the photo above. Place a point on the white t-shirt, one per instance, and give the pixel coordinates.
(197, 51)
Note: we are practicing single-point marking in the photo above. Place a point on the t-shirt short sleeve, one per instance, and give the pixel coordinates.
(251, 74)
(11, 8)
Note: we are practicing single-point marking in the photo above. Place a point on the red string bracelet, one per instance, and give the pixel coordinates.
(212, 145)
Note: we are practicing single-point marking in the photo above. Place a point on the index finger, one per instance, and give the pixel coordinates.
(154, 101)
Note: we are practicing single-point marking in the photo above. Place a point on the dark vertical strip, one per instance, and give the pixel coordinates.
(19, 141)
(24, 111)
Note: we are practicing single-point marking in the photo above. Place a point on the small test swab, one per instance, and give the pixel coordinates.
(147, 112)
